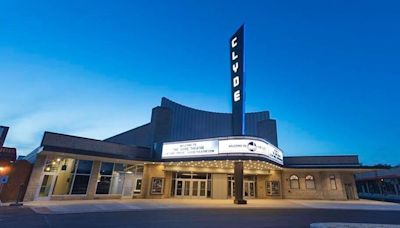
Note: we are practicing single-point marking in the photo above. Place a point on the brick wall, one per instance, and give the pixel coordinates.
(19, 174)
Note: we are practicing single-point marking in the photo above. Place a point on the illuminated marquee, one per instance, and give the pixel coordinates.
(194, 148)
(243, 146)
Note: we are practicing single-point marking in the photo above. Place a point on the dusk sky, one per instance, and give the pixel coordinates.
(328, 71)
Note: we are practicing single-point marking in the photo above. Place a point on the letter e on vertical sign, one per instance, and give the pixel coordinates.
(236, 55)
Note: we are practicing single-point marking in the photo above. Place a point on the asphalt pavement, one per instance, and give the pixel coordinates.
(25, 217)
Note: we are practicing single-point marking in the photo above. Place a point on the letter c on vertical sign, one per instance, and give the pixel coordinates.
(234, 42)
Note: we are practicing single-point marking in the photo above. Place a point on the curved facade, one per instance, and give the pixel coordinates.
(189, 123)
(175, 122)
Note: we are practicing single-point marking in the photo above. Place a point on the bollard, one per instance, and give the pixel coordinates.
(17, 203)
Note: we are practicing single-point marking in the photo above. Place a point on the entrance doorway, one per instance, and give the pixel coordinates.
(190, 185)
(249, 187)
(191, 188)
(46, 187)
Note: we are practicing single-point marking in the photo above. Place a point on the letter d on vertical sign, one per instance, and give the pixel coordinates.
(236, 55)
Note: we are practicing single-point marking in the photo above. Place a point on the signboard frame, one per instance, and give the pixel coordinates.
(236, 45)
(222, 147)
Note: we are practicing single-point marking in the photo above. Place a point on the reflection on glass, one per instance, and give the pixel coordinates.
(187, 188)
(179, 188)
(251, 189)
(106, 168)
(84, 167)
(195, 188)
(202, 188)
(103, 186)
(46, 185)
(80, 184)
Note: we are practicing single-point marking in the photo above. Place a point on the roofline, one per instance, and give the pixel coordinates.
(125, 132)
(97, 140)
(347, 155)
(336, 166)
(90, 153)
(185, 106)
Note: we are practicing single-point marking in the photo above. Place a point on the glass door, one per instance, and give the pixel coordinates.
(179, 188)
(195, 188)
(252, 189)
(249, 189)
(203, 189)
(246, 189)
(46, 187)
(191, 188)
(231, 188)
(186, 188)
(199, 189)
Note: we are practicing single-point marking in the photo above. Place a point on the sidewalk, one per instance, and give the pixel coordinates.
(83, 206)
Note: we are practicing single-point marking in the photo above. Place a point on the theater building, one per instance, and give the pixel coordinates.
(188, 153)
(185, 153)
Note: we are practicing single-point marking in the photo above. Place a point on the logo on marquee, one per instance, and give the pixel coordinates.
(252, 146)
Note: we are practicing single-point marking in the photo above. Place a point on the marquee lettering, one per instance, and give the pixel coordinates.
(235, 68)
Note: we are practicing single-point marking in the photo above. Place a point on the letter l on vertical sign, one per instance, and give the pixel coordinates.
(237, 81)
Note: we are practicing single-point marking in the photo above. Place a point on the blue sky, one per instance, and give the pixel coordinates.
(328, 71)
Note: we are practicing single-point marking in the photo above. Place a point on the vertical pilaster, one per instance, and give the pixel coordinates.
(34, 180)
(94, 176)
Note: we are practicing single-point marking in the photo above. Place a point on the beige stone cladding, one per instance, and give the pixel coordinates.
(219, 186)
(155, 171)
(274, 175)
(94, 176)
(34, 180)
(328, 184)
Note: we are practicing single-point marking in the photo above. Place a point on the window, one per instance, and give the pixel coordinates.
(119, 179)
(65, 176)
(51, 165)
(138, 186)
(82, 176)
(388, 186)
(71, 175)
(332, 181)
(310, 184)
(294, 182)
(373, 187)
(273, 188)
(104, 183)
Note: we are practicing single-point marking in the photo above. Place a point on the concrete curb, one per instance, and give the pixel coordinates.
(351, 225)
